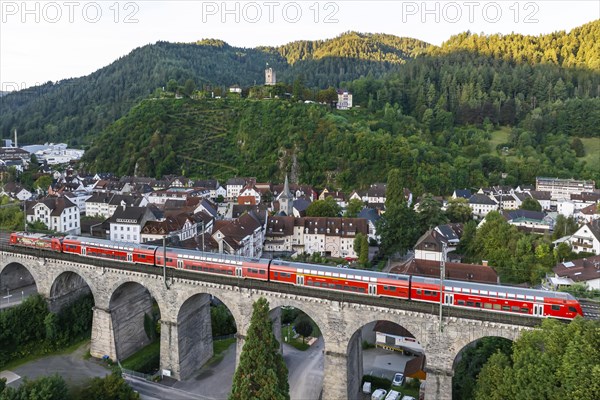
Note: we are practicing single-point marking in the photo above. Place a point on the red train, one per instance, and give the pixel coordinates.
(485, 297)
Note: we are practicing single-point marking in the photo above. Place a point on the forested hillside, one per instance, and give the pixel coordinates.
(506, 78)
(320, 146)
(72, 110)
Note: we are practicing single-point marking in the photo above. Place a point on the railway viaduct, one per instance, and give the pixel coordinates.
(123, 294)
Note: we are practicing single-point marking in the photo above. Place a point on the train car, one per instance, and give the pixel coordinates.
(210, 263)
(145, 254)
(36, 240)
(496, 298)
(282, 271)
(99, 248)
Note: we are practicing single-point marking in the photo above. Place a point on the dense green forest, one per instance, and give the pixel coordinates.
(348, 149)
(72, 109)
(508, 79)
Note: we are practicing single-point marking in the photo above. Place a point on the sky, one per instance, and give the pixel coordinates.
(44, 41)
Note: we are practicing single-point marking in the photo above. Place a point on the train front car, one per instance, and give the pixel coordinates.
(36, 241)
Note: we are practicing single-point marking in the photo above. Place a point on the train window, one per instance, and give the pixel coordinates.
(331, 285)
(477, 304)
(262, 271)
(555, 308)
(418, 291)
(276, 274)
(487, 305)
(385, 287)
(362, 290)
(285, 275)
(460, 302)
(470, 303)
(142, 256)
(572, 309)
(229, 272)
(496, 306)
(525, 310)
(318, 284)
(505, 308)
(392, 288)
(427, 293)
(515, 308)
(339, 287)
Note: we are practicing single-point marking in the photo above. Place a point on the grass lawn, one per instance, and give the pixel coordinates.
(41, 354)
(146, 360)
(499, 136)
(592, 151)
(287, 332)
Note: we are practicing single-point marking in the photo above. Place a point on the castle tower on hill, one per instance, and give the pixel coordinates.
(270, 78)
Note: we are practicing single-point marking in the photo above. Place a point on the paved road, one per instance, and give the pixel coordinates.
(72, 367)
(305, 371)
(11, 298)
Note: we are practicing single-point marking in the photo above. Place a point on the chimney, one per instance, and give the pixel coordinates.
(484, 263)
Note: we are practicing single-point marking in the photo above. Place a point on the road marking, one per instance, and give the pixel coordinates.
(10, 376)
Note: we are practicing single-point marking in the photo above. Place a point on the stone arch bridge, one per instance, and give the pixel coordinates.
(123, 294)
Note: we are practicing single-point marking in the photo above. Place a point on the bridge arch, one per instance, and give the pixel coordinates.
(471, 358)
(69, 285)
(16, 275)
(132, 308)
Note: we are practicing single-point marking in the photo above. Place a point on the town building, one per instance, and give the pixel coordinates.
(344, 100)
(57, 213)
(126, 223)
(563, 188)
(587, 238)
(583, 270)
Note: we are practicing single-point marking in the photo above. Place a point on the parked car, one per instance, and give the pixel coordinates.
(393, 395)
(378, 394)
(408, 398)
(398, 379)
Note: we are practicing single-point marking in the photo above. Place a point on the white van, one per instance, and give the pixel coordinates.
(393, 395)
(378, 394)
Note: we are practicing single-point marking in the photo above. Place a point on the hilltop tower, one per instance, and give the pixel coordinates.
(270, 78)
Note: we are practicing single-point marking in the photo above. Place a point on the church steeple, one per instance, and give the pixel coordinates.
(286, 199)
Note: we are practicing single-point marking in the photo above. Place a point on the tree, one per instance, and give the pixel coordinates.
(304, 327)
(578, 148)
(172, 85)
(354, 207)
(261, 373)
(361, 248)
(430, 213)
(472, 359)
(557, 361)
(458, 210)
(43, 182)
(324, 208)
(189, 87)
(531, 204)
(394, 192)
(44, 388)
(111, 387)
(564, 226)
(397, 228)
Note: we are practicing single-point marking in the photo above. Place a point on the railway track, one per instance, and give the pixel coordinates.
(591, 309)
(400, 304)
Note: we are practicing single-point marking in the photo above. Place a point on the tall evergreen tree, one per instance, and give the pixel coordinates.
(261, 374)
